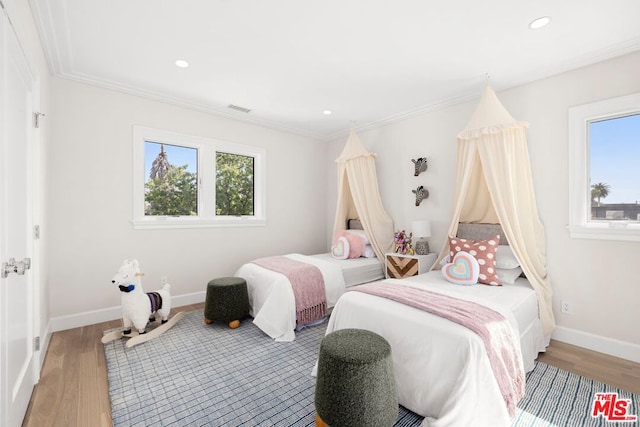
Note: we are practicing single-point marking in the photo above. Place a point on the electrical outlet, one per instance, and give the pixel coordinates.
(163, 280)
(565, 307)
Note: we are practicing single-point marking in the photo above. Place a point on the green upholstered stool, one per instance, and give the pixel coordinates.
(227, 301)
(355, 384)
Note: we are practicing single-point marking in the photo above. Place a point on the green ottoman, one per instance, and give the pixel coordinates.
(355, 384)
(227, 301)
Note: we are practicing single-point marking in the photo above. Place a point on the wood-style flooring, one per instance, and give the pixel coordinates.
(73, 389)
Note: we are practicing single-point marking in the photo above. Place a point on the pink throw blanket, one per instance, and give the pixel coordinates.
(491, 326)
(307, 285)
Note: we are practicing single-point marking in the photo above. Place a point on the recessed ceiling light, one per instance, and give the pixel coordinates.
(182, 63)
(539, 22)
(326, 112)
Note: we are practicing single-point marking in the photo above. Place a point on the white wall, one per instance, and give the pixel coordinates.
(595, 276)
(90, 197)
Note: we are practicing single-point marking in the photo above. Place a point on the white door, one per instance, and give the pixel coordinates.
(17, 359)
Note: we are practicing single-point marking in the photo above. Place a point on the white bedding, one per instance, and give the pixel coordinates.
(356, 270)
(273, 305)
(441, 369)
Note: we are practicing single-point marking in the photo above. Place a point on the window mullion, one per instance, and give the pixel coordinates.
(207, 181)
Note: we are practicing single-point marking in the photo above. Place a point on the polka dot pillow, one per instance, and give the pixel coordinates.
(484, 251)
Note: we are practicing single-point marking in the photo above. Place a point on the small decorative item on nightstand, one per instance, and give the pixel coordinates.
(402, 243)
(422, 230)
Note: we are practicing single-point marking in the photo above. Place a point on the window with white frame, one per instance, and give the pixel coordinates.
(184, 181)
(604, 172)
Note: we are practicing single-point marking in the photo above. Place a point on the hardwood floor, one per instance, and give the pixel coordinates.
(73, 389)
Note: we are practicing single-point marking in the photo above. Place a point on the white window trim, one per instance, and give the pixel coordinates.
(207, 148)
(579, 183)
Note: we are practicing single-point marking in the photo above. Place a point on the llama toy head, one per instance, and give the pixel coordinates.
(128, 277)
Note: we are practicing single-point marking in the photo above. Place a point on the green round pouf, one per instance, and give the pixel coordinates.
(227, 300)
(355, 384)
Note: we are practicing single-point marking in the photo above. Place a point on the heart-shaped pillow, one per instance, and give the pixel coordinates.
(340, 250)
(463, 270)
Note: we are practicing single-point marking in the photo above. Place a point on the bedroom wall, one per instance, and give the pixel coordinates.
(90, 194)
(593, 275)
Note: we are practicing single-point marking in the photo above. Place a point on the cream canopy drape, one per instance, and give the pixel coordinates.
(359, 196)
(494, 185)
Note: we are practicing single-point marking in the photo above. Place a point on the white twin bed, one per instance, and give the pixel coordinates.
(271, 298)
(441, 368)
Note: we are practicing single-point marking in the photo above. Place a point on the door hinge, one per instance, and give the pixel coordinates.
(36, 344)
(36, 119)
(36, 232)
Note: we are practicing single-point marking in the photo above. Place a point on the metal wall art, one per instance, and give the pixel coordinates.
(421, 194)
(420, 165)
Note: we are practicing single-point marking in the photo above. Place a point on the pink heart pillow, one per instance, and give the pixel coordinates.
(340, 249)
(463, 270)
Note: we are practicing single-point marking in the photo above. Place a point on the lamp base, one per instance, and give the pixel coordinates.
(422, 246)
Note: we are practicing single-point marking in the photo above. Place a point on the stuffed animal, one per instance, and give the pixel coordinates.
(138, 307)
(402, 242)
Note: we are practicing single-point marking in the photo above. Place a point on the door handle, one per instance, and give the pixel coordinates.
(13, 266)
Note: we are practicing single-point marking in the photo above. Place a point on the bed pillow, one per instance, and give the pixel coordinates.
(368, 252)
(361, 234)
(356, 243)
(340, 249)
(484, 251)
(463, 270)
(509, 276)
(505, 258)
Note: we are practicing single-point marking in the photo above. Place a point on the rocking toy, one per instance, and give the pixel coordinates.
(140, 308)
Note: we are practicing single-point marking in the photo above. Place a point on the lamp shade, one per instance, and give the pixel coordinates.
(421, 228)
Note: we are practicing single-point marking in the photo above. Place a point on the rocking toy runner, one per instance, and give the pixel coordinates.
(140, 308)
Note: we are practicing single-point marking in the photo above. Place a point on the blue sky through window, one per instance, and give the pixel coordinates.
(615, 157)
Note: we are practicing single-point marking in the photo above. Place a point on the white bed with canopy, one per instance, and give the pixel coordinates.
(441, 368)
(494, 185)
(272, 300)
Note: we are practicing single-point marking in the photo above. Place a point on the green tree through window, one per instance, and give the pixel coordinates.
(170, 190)
(234, 184)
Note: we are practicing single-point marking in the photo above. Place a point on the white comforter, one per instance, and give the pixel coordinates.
(273, 305)
(441, 369)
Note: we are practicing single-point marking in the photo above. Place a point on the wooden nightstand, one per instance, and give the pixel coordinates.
(399, 266)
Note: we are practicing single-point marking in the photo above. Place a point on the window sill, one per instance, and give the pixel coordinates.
(191, 222)
(622, 232)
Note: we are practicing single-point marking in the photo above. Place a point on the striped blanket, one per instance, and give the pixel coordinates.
(307, 285)
(494, 330)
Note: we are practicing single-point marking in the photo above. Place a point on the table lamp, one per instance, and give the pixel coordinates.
(421, 231)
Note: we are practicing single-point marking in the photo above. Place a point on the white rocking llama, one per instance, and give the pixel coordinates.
(138, 307)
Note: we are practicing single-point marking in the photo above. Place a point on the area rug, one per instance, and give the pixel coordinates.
(209, 375)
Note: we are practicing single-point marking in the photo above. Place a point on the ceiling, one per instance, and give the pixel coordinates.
(370, 62)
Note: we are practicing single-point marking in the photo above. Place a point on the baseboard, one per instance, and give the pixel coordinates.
(71, 321)
(610, 346)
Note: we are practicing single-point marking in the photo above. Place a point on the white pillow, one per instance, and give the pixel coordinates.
(368, 252)
(509, 276)
(360, 233)
(505, 259)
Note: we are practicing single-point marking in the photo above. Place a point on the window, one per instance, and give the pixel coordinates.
(182, 181)
(604, 151)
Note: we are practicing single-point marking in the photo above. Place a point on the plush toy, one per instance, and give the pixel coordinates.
(138, 307)
(403, 243)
